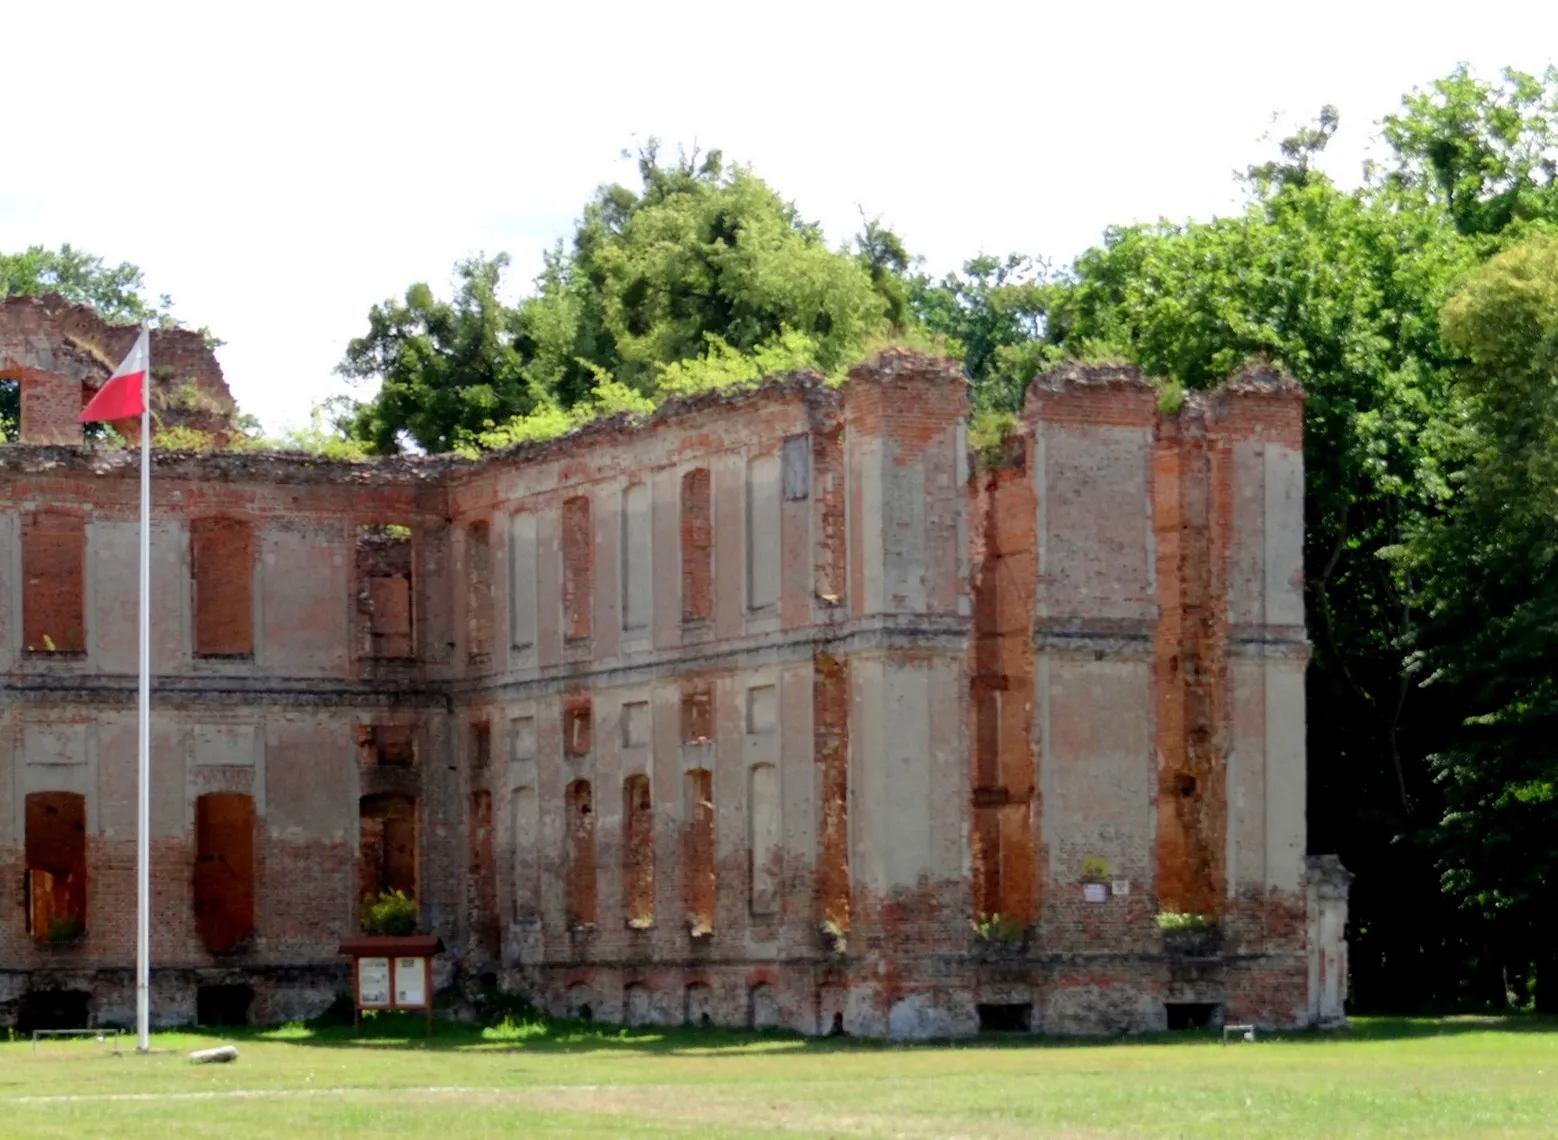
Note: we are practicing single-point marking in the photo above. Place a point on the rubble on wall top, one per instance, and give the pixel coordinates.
(1064, 376)
(51, 334)
(811, 387)
(1257, 377)
(893, 364)
(277, 467)
(1260, 377)
(284, 467)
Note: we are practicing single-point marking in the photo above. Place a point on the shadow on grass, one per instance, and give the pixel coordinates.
(544, 1035)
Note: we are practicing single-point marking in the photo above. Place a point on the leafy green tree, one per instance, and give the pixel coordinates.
(702, 258)
(1488, 152)
(449, 369)
(1487, 574)
(992, 315)
(115, 292)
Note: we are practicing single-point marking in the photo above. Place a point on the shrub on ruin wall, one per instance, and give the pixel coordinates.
(392, 914)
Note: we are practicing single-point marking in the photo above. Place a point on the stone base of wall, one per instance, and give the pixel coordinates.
(938, 997)
(944, 996)
(281, 993)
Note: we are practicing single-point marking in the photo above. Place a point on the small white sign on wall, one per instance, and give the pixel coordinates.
(373, 982)
(1120, 888)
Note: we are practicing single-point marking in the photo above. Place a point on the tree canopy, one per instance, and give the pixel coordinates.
(701, 262)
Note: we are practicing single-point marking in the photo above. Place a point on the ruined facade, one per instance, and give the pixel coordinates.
(776, 709)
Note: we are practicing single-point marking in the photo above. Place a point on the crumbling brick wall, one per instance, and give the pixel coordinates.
(792, 696)
(62, 353)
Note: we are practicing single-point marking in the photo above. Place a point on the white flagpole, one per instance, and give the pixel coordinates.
(143, 816)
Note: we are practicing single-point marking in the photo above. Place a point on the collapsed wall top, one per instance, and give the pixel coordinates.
(61, 353)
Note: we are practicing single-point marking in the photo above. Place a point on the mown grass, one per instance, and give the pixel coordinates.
(1398, 1078)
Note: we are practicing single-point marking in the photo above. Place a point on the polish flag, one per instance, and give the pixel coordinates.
(123, 396)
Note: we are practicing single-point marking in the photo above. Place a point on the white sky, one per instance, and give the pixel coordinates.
(278, 167)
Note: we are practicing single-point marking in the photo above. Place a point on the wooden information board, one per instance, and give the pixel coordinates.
(392, 973)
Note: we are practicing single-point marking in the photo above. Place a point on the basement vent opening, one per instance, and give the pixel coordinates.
(51, 1009)
(1013, 1017)
(223, 1006)
(1192, 1014)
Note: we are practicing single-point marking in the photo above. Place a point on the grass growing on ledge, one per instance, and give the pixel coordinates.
(1461, 1077)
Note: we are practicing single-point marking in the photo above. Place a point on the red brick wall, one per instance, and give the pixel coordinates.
(1005, 795)
(51, 405)
(1191, 504)
(426, 822)
(830, 727)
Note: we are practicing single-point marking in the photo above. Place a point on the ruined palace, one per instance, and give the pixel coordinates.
(778, 707)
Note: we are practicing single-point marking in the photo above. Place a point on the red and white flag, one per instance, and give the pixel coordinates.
(123, 396)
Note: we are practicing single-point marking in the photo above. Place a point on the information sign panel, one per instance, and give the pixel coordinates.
(410, 982)
(373, 982)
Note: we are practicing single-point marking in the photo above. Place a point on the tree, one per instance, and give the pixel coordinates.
(1488, 153)
(448, 368)
(993, 316)
(116, 293)
(701, 260)
(1488, 578)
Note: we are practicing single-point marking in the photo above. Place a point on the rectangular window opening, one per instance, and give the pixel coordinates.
(697, 540)
(221, 562)
(580, 809)
(387, 847)
(481, 745)
(577, 732)
(698, 854)
(54, 582)
(638, 852)
(385, 599)
(697, 717)
(56, 859)
(224, 870)
(578, 569)
(386, 746)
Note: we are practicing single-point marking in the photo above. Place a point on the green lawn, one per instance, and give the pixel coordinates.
(1463, 1078)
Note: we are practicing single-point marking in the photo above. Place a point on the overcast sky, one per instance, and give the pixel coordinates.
(278, 167)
